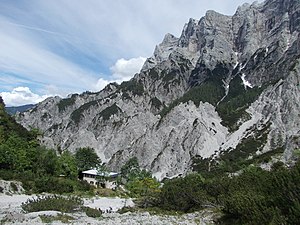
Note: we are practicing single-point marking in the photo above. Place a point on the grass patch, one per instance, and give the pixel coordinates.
(109, 111)
(77, 114)
(153, 74)
(131, 86)
(60, 217)
(65, 103)
(155, 102)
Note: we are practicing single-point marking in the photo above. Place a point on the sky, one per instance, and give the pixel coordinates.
(59, 47)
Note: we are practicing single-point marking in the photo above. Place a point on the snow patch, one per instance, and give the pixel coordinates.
(288, 43)
(236, 64)
(237, 61)
(267, 50)
(245, 82)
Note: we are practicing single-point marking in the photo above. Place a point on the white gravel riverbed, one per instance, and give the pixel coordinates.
(11, 213)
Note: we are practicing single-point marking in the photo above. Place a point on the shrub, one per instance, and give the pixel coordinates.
(82, 185)
(90, 212)
(62, 185)
(78, 113)
(54, 185)
(60, 217)
(132, 86)
(126, 209)
(155, 102)
(7, 174)
(13, 186)
(109, 111)
(184, 194)
(54, 202)
(65, 103)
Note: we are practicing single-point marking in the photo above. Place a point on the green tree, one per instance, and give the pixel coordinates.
(102, 172)
(14, 154)
(184, 194)
(139, 182)
(46, 162)
(67, 165)
(146, 187)
(86, 158)
(131, 170)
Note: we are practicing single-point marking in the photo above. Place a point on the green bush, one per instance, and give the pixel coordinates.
(132, 86)
(184, 194)
(155, 102)
(60, 217)
(7, 174)
(109, 111)
(82, 185)
(90, 212)
(255, 196)
(126, 209)
(54, 202)
(13, 186)
(54, 185)
(65, 103)
(77, 114)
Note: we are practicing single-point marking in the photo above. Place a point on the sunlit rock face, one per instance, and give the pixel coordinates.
(225, 79)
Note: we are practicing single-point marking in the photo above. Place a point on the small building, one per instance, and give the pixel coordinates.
(109, 178)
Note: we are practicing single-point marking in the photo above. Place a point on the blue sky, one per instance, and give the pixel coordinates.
(58, 47)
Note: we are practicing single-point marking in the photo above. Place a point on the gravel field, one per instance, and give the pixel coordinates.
(11, 213)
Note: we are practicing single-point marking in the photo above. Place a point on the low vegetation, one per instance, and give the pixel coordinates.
(255, 196)
(155, 102)
(66, 102)
(59, 203)
(139, 183)
(55, 202)
(78, 113)
(233, 107)
(210, 91)
(60, 217)
(109, 111)
(132, 87)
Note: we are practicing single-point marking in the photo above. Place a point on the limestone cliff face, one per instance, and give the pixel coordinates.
(224, 80)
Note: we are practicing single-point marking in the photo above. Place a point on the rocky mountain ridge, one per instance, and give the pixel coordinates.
(229, 85)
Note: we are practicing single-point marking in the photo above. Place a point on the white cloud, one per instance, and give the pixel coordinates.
(67, 45)
(21, 96)
(101, 83)
(20, 55)
(126, 69)
(122, 70)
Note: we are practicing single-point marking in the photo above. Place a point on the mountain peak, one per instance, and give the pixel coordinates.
(192, 100)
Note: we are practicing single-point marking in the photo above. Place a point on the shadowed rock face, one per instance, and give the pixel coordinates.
(225, 79)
